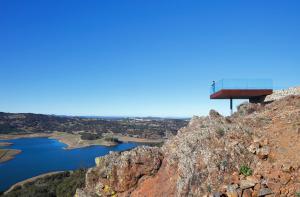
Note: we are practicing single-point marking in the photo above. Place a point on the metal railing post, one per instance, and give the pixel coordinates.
(231, 111)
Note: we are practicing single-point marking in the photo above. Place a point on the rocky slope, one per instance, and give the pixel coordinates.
(278, 94)
(254, 152)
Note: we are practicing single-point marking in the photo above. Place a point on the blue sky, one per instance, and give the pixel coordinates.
(140, 58)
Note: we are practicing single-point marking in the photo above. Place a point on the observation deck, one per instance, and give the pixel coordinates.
(255, 90)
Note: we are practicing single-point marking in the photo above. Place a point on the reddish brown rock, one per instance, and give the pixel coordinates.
(285, 178)
(263, 152)
(247, 193)
(254, 147)
(256, 190)
(235, 178)
(253, 179)
(245, 184)
(265, 192)
(199, 161)
(120, 172)
(274, 186)
(232, 194)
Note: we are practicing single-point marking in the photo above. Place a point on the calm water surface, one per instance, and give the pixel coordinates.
(42, 155)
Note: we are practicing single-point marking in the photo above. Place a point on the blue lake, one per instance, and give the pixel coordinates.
(42, 155)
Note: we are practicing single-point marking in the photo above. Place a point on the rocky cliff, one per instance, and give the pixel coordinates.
(254, 152)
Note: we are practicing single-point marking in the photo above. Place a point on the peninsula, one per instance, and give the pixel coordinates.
(8, 154)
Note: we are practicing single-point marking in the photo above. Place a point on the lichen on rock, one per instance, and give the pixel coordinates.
(120, 172)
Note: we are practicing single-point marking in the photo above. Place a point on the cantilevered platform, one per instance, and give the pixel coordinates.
(241, 88)
(240, 93)
(253, 89)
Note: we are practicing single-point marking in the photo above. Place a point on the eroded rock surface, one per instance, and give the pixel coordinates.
(254, 152)
(119, 173)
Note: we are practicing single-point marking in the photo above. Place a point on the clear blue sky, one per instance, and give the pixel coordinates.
(140, 58)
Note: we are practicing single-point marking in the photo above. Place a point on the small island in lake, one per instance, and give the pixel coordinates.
(5, 144)
(8, 154)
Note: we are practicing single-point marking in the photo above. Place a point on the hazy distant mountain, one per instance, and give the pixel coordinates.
(150, 127)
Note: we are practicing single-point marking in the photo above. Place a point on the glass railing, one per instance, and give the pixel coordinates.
(244, 84)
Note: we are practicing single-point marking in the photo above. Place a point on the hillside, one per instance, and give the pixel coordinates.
(90, 128)
(254, 152)
(51, 184)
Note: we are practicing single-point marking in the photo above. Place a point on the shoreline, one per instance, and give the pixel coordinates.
(123, 138)
(21, 183)
(74, 141)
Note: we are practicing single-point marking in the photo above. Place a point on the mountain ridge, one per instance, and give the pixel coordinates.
(22, 123)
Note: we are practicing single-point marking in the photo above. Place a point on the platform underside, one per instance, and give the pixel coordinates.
(240, 93)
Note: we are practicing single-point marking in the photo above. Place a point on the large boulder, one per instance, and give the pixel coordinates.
(120, 172)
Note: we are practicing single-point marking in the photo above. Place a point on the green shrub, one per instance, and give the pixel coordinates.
(220, 131)
(90, 136)
(111, 139)
(297, 194)
(68, 185)
(223, 165)
(209, 190)
(155, 144)
(245, 170)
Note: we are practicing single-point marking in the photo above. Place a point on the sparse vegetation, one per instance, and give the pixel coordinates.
(223, 165)
(90, 136)
(220, 131)
(203, 126)
(245, 170)
(248, 131)
(111, 139)
(158, 144)
(61, 185)
(264, 119)
(209, 190)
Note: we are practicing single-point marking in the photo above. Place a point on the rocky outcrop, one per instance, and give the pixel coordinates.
(119, 173)
(254, 152)
(279, 94)
(202, 156)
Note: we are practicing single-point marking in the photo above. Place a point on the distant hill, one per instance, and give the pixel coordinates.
(138, 127)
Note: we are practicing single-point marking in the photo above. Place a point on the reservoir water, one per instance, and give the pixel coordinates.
(42, 155)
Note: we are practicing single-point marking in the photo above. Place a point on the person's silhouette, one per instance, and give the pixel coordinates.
(213, 85)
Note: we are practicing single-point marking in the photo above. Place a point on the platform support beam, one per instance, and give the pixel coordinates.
(257, 99)
(231, 110)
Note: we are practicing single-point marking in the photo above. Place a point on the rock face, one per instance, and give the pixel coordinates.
(254, 152)
(120, 172)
